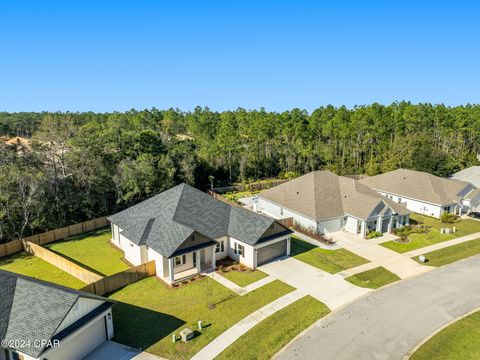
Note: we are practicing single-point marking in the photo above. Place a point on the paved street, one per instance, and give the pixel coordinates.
(388, 323)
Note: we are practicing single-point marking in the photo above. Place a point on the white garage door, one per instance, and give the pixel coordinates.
(83, 342)
(271, 252)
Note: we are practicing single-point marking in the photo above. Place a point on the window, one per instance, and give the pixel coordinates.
(220, 247)
(399, 200)
(281, 211)
(180, 260)
(241, 250)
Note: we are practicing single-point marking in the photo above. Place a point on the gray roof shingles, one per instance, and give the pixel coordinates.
(164, 222)
(33, 310)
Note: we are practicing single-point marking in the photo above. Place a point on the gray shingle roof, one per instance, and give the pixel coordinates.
(165, 221)
(418, 185)
(31, 309)
(471, 175)
(323, 195)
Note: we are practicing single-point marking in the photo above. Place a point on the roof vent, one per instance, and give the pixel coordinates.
(298, 192)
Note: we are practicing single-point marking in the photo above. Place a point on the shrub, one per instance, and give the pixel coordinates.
(373, 234)
(448, 218)
(312, 233)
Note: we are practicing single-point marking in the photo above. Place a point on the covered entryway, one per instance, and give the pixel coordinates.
(385, 223)
(270, 252)
(85, 340)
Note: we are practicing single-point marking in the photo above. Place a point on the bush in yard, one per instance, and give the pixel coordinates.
(373, 234)
(312, 233)
(448, 218)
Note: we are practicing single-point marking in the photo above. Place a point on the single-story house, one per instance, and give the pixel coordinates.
(40, 320)
(471, 175)
(425, 193)
(326, 203)
(186, 231)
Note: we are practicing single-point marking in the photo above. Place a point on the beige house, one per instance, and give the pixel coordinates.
(425, 193)
(326, 203)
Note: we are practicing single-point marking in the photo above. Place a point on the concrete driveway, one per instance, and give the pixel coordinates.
(379, 255)
(330, 289)
(388, 323)
(113, 350)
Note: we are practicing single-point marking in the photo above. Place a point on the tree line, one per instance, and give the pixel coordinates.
(77, 166)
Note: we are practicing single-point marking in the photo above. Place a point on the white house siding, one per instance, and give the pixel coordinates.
(159, 262)
(188, 264)
(417, 206)
(116, 235)
(277, 211)
(222, 254)
(351, 225)
(329, 226)
(134, 254)
(248, 257)
(81, 307)
(83, 341)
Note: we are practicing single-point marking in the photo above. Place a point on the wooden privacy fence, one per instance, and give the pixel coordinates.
(288, 222)
(222, 198)
(253, 186)
(116, 281)
(62, 263)
(53, 235)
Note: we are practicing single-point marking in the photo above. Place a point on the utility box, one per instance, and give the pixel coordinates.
(186, 334)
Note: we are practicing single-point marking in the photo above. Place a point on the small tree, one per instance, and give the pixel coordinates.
(211, 178)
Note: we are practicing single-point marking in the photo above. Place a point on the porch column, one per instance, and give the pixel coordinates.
(199, 263)
(288, 247)
(213, 257)
(379, 223)
(407, 220)
(363, 230)
(171, 274)
(390, 224)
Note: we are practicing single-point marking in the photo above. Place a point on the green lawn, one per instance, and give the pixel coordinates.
(92, 250)
(25, 264)
(272, 334)
(458, 341)
(374, 278)
(149, 312)
(331, 261)
(452, 253)
(243, 278)
(463, 227)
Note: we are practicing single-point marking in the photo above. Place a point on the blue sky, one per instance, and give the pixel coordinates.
(117, 55)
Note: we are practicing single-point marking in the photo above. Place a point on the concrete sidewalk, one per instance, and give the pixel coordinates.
(228, 337)
(442, 245)
(236, 288)
(330, 289)
(399, 264)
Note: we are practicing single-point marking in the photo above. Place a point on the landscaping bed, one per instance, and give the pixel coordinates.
(374, 278)
(30, 265)
(458, 341)
(93, 251)
(331, 261)
(238, 273)
(452, 253)
(432, 235)
(272, 334)
(149, 312)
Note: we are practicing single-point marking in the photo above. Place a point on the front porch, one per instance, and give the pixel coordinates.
(189, 264)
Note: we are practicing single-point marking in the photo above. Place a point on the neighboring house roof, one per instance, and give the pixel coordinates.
(32, 309)
(471, 175)
(166, 220)
(418, 185)
(472, 194)
(322, 195)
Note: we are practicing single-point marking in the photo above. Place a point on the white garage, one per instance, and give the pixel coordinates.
(270, 252)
